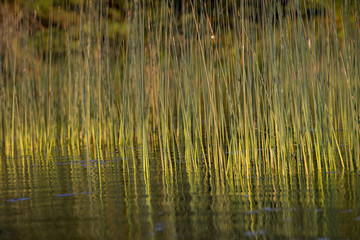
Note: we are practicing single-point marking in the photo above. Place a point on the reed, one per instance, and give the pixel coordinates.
(236, 87)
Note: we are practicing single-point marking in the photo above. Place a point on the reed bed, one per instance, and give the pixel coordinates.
(235, 87)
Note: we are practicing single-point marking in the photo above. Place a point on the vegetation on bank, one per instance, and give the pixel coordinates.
(239, 87)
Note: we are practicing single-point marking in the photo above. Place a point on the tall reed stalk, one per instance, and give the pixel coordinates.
(236, 87)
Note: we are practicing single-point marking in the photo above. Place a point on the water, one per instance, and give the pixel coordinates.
(65, 198)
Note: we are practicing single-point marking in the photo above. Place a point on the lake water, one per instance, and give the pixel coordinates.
(71, 196)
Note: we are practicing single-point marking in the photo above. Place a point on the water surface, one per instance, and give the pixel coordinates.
(68, 195)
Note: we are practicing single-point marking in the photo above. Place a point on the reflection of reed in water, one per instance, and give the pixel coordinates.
(187, 204)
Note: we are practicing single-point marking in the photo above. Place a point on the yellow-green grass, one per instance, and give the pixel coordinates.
(218, 86)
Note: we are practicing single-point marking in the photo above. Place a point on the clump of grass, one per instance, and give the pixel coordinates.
(239, 88)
